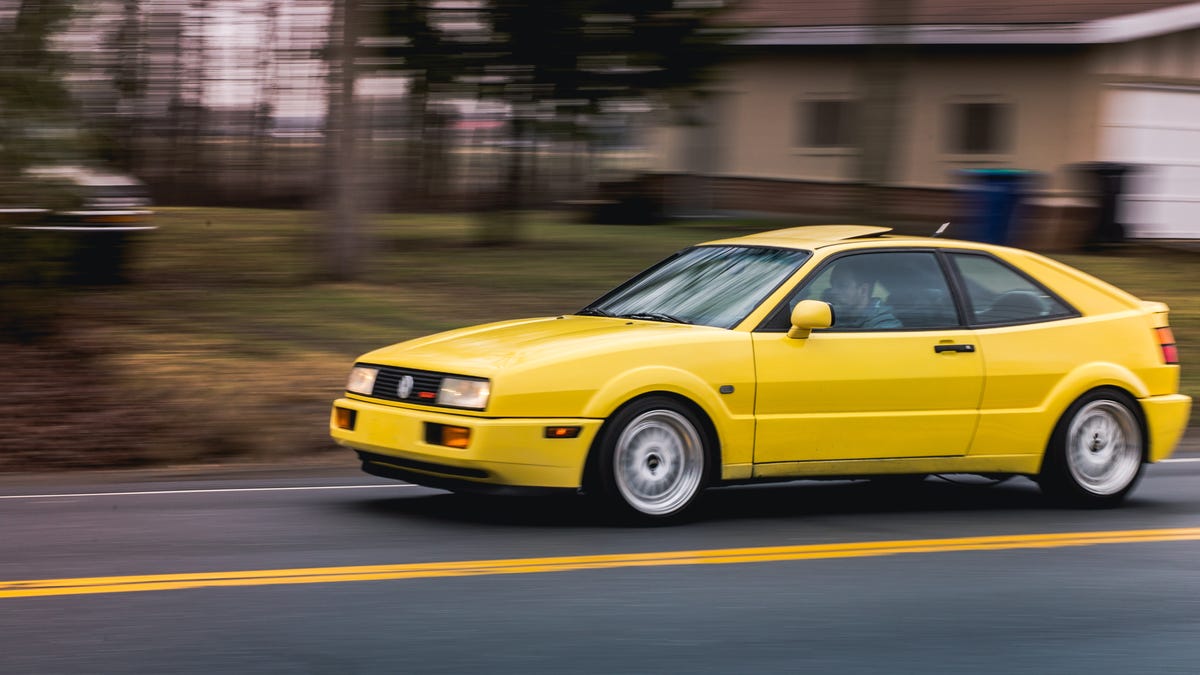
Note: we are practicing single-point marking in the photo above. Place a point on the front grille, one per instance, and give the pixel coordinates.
(424, 390)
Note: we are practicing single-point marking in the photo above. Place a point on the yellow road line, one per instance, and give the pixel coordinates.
(321, 575)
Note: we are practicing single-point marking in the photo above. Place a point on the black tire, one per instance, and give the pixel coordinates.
(1096, 452)
(653, 459)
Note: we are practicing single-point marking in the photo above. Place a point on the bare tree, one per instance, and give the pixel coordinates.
(266, 93)
(342, 251)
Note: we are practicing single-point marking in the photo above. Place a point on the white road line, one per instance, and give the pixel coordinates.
(1180, 459)
(195, 492)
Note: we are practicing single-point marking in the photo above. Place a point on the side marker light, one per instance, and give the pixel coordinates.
(563, 432)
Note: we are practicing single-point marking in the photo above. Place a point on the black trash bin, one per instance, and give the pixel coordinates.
(1106, 182)
(993, 202)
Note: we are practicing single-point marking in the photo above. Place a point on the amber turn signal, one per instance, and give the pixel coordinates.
(449, 436)
(563, 432)
(344, 418)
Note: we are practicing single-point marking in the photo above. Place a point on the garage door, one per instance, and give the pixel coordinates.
(1157, 129)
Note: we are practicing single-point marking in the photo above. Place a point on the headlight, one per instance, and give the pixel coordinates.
(462, 393)
(362, 380)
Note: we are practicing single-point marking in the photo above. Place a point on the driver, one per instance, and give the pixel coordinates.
(850, 289)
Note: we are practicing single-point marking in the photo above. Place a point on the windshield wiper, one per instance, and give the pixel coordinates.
(592, 311)
(654, 316)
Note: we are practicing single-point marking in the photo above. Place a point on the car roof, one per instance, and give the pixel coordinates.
(820, 236)
(813, 237)
(842, 237)
(809, 236)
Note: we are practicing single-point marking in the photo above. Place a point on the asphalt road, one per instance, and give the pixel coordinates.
(326, 570)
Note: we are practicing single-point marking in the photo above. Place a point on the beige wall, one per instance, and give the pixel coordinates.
(1165, 59)
(758, 122)
(756, 135)
(1056, 96)
(1049, 95)
(1053, 96)
(763, 108)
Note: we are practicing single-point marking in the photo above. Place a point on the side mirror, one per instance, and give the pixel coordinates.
(808, 316)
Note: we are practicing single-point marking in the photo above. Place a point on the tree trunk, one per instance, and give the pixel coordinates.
(266, 92)
(501, 224)
(343, 250)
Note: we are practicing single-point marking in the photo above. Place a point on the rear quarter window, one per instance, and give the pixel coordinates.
(998, 294)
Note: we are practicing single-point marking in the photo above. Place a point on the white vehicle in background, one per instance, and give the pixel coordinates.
(88, 198)
(85, 217)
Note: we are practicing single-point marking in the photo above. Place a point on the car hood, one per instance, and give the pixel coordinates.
(484, 350)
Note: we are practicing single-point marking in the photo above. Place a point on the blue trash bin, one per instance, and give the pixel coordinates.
(994, 199)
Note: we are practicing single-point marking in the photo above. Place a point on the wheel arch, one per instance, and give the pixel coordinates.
(712, 447)
(1091, 376)
(1083, 381)
(731, 416)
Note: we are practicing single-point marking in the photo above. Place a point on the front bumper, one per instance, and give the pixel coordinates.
(510, 452)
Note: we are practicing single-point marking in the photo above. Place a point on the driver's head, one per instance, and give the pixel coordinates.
(851, 284)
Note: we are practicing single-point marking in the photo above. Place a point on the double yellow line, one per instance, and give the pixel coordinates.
(325, 575)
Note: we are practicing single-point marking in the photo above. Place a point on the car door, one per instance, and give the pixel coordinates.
(897, 377)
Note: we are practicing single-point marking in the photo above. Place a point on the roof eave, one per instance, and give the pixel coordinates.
(1101, 31)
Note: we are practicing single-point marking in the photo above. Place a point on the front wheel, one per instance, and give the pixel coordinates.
(1095, 455)
(654, 458)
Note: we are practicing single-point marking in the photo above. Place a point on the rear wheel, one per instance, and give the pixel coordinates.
(654, 458)
(1095, 455)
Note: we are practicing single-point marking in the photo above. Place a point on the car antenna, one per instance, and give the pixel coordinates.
(942, 229)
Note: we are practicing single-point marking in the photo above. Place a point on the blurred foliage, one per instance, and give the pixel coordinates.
(555, 66)
(553, 61)
(34, 107)
(32, 274)
(49, 193)
(41, 268)
(247, 102)
(33, 98)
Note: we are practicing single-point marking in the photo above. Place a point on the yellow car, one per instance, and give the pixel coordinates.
(811, 352)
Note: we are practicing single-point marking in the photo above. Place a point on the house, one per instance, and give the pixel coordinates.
(833, 108)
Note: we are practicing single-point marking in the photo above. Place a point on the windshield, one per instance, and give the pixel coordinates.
(707, 285)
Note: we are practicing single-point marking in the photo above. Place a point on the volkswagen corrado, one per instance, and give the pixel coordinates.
(810, 352)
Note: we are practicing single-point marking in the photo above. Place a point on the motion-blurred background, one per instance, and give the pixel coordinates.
(209, 207)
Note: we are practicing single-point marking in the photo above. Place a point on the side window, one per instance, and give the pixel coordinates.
(885, 290)
(979, 128)
(997, 294)
(828, 123)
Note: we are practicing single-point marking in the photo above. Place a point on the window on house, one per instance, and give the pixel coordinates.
(827, 124)
(980, 128)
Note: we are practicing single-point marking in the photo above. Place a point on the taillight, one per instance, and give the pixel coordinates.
(1166, 340)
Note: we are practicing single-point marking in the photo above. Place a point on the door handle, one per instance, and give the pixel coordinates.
(953, 348)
